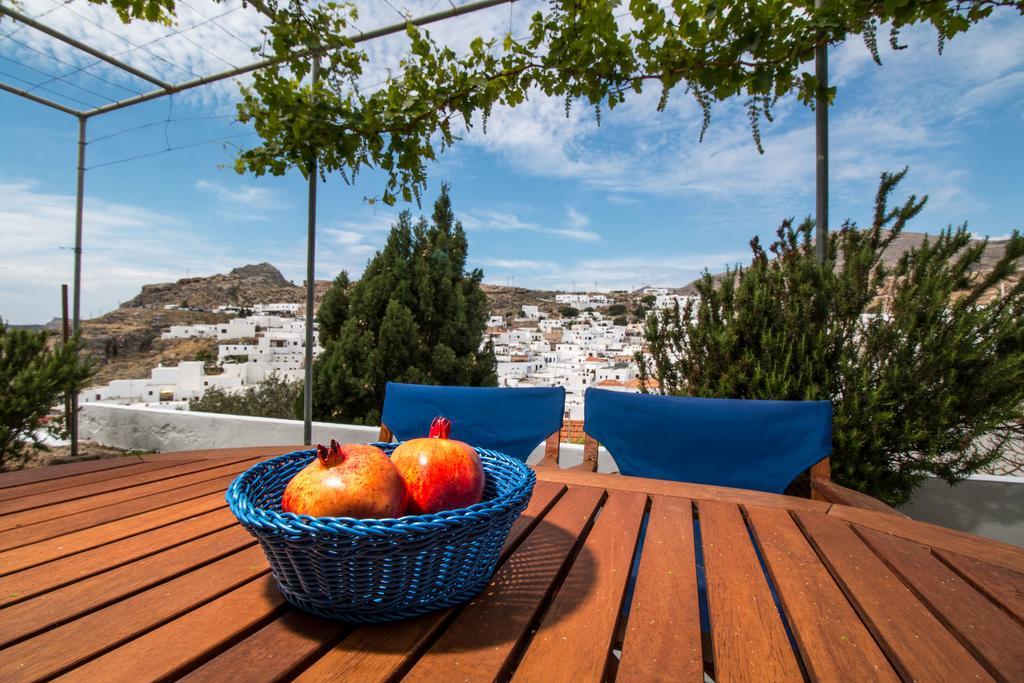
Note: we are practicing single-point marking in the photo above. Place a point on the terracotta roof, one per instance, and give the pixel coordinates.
(595, 359)
(651, 384)
(610, 383)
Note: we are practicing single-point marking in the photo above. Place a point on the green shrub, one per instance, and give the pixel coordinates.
(273, 397)
(919, 361)
(34, 379)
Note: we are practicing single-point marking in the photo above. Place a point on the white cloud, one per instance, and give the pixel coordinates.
(124, 247)
(242, 203)
(346, 237)
(577, 220)
(516, 264)
(630, 272)
(487, 219)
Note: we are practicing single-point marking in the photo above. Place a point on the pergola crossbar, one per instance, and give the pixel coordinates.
(40, 100)
(79, 45)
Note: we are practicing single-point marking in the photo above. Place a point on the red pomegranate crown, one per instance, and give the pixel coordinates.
(440, 428)
(331, 455)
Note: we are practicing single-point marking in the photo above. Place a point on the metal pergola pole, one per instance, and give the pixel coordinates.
(821, 471)
(76, 309)
(307, 399)
(821, 149)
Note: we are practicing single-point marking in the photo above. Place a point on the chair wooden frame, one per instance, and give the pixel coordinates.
(822, 486)
(552, 445)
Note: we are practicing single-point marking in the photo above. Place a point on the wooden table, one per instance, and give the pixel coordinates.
(134, 569)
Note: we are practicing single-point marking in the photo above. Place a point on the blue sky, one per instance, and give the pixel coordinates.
(548, 202)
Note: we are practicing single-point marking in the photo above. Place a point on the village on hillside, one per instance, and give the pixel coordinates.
(572, 340)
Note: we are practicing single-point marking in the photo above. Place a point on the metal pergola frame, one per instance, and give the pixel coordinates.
(165, 88)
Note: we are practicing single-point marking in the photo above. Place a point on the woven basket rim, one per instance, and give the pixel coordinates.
(292, 523)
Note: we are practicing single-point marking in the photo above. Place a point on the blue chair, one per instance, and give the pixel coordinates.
(760, 445)
(512, 421)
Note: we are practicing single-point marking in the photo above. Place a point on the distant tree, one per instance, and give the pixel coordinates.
(273, 397)
(334, 308)
(33, 379)
(588, 309)
(568, 312)
(648, 300)
(206, 356)
(620, 321)
(931, 384)
(617, 309)
(416, 315)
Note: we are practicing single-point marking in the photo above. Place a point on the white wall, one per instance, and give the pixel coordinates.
(132, 428)
(154, 429)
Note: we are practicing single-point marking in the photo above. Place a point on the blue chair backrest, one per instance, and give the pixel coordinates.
(512, 421)
(760, 445)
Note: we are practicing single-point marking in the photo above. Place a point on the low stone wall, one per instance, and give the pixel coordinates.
(153, 429)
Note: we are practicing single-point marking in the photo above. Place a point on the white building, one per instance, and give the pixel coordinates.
(279, 308)
(165, 385)
(582, 299)
(235, 328)
(531, 312)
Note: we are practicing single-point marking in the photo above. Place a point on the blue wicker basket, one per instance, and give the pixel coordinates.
(378, 570)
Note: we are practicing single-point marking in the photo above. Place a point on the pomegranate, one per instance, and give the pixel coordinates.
(350, 480)
(439, 473)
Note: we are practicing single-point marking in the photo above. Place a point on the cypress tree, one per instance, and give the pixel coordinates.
(415, 316)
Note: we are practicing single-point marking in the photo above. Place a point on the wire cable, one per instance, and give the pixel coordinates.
(169, 149)
(52, 78)
(222, 27)
(123, 38)
(35, 86)
(67, 63)
(153, 124)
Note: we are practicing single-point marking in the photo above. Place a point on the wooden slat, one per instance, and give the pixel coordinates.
(934, 536)
(276, 652)
(62, 546)
(51, 501)
(177, 646)
(747, 633)
(41, 578)
(76, 641)
(61, 526)
(917, 644)
(574, 639)
(663, 632)
(105, 500)
(1001, 585)
(618, 482)
(489, 631)
(380, 652)
(833, 642)
(989, 633)
(64, 604)
(834, 493)
(36, 474)
(71, 483)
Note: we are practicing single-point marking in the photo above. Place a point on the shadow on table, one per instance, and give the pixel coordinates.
(508, 607)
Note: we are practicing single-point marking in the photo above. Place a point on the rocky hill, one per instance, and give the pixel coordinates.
(126, 341)
(252, 284)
